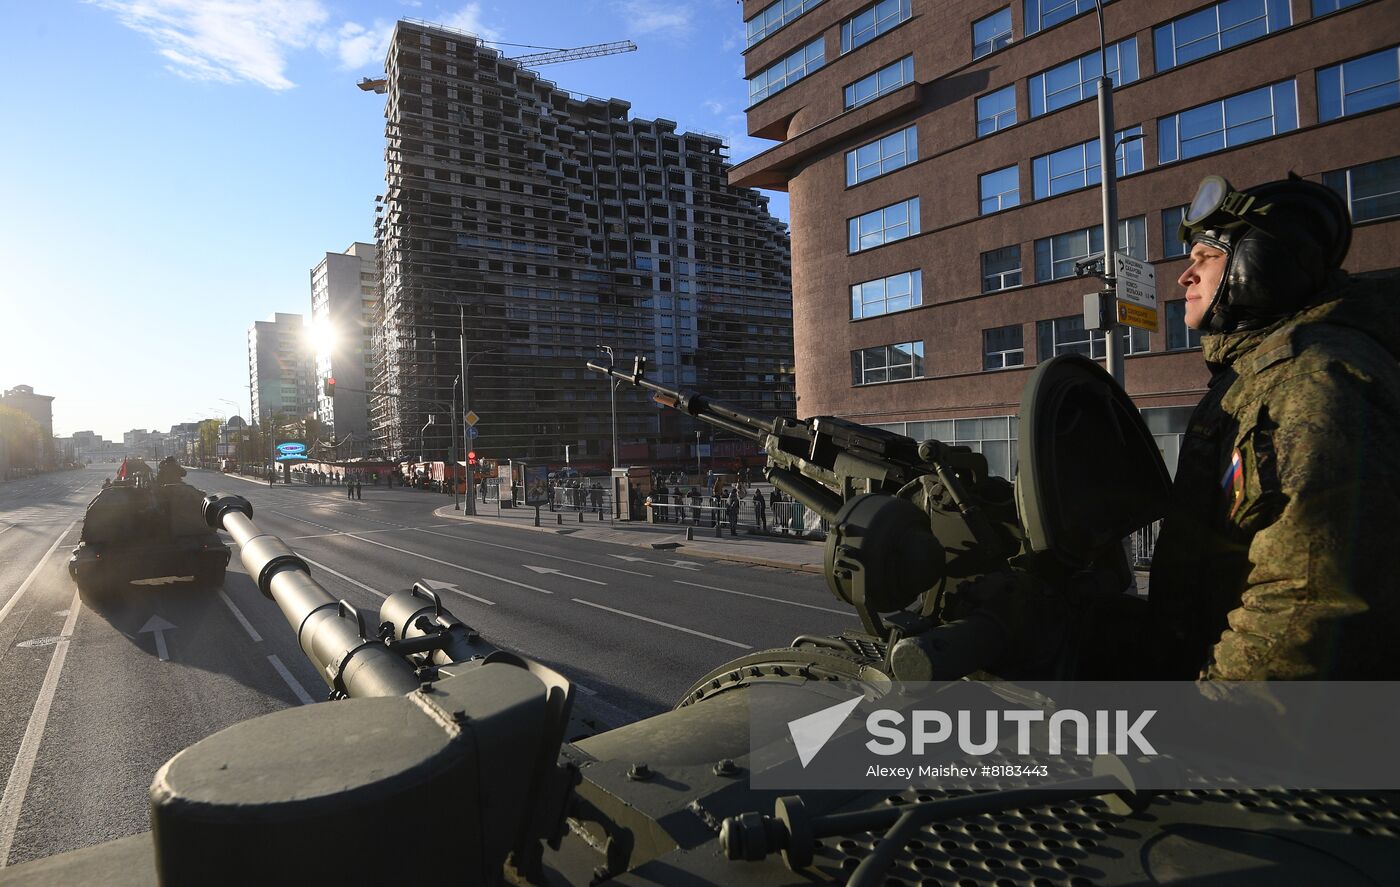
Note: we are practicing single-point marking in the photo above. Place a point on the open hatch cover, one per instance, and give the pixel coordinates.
(1090, 472)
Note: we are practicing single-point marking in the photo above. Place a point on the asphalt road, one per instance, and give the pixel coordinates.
(94, 698)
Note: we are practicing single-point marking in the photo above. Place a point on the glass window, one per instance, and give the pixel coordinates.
(1001, 268)
(1077, 166)
(1179, 335)
(773, 18)
(991, 33)
(780, 75)
(1322, 7)
(1171, 244)
(1056, 256)
(1243, 118)
(1132, 237)
(1000, 189)
(1002, 347)
(866, 26)
(882, 156)
(1372, 190)
(1216, 28)
(887, 363)
(996, 110)
(1077, 79)
(897, 292)
(1042, 14)
(884, 225)
(1372, 81)
(885, 80)
(1066, 335)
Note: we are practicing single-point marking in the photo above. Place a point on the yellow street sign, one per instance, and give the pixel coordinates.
(1138, 316)
(472, 417)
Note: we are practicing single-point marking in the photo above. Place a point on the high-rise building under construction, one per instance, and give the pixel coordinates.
(541, 224)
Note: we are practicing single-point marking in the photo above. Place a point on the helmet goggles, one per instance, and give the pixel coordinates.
(1218, 207)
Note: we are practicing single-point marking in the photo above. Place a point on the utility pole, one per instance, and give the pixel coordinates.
(612, 398)
(452, 450)
(466, 429)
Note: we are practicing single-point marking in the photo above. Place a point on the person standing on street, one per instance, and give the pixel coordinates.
(760, 517)
(1277, 555)
(733, 510)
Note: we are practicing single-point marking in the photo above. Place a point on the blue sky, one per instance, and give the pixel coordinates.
(174, 169)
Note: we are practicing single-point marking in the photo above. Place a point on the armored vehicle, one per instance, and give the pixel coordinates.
(448, 759)
(140, 529)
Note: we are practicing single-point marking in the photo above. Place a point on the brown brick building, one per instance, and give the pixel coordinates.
(942, 160)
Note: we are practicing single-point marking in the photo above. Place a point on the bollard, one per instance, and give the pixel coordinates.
(719, 530)
(537, 515)
(690, 534)
(580, 517)
(559, 518)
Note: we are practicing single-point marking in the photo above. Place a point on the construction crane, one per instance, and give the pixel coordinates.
(549, 56)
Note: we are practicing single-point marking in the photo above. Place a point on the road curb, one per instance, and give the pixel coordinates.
(734, 557)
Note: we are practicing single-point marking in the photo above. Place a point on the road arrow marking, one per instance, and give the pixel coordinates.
(628, 557)
(439, 586)
(558, 573)
(684, 565)
(813, 731)
(159, 627)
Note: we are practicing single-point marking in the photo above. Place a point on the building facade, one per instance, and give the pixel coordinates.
(538, 225)
(280, 368)
(943, 166)
(344, 298)
(40, 452)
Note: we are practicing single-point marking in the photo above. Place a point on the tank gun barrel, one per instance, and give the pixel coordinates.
(331, 632)
(717, 413)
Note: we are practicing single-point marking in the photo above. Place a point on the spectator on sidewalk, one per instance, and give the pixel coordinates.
(775, 499)
(695, 506)
(359, 490)
(732, 507)
(760, 517)
(659, 504)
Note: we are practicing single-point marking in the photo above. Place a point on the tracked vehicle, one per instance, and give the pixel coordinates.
(138, 528)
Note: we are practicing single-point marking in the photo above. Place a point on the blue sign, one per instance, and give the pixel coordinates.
(472, 432)
(291, 451)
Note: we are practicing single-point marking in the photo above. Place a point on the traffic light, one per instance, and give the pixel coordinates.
(471, 457)
(330, 386)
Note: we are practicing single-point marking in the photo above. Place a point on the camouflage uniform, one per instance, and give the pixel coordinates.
(1285, 564)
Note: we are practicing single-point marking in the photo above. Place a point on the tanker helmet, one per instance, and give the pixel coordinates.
(1282, 241)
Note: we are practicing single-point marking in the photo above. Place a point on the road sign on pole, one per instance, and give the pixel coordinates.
(472, 418)
(1136, 281)
(473, 432)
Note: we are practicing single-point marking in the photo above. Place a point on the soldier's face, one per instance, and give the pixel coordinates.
(1201, 278)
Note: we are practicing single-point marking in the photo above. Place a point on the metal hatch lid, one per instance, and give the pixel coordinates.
(1090, 472)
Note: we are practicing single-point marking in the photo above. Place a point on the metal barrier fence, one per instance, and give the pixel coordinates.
(1144, 543)
(779, 519)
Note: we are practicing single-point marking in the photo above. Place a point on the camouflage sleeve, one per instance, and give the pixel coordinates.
(1320, 515)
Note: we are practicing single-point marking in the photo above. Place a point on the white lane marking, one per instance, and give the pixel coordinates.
(346, 533)
(435, 585)
(159, 627)
(7, 528)
(665, 624)
(763, 597)
(561, 573)
(532, 553)
(242, 620)
(14, 598)
(339, 575)
(295, 685)
(628, 557)
(679, 565)
(454, 566)
(18, 784)
(304, 520)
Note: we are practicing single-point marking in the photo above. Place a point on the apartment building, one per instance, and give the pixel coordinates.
(943, 166)
(280, 368)
(344, 298)
(536, 225)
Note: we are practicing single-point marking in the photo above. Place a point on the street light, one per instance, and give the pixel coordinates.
(452, 449)
(421, 456)
(612, 398)
(1108, 173)
(466, 398)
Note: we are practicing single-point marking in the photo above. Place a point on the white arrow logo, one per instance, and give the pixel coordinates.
(627, 557)
(811, 732)
(158, 627)
(558, 573)
(685, 565)
(435, 585)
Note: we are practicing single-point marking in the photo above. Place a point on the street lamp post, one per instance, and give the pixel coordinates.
(1108, 174)
(697, 455)
(421, 456)
(466, 403)
(612, 398)
(456, 506)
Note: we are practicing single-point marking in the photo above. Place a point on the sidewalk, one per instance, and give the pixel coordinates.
(766, 551)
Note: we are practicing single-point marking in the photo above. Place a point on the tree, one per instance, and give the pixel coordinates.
(20, 439)
(209, 438)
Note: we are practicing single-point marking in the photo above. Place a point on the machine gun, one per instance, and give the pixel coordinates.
(924, 522)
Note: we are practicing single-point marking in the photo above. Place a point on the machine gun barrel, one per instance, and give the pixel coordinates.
(331, 632)
(717, 413)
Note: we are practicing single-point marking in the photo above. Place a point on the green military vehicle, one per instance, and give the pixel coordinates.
(144, 527)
